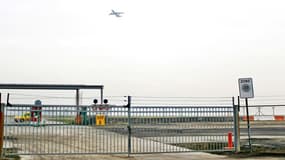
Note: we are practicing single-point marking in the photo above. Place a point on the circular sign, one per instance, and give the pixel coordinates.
(245, 88)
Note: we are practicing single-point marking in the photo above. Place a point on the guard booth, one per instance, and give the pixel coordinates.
(36, 111)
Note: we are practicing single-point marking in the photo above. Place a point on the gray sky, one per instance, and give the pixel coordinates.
(158, 47)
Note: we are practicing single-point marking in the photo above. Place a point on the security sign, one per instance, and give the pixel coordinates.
(100, 120)
(245, 88)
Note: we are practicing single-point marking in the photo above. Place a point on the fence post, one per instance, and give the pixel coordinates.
(236, 126)
(248, 124)
(1, 126)
(129, 126)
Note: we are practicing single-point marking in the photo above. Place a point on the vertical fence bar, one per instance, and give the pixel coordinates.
(78, 117)
(101, 95)
(1, 126)
(236, 127)
(129, 126)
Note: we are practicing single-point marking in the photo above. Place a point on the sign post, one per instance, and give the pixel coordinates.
(100, 120)
(246, 91)
(101, 111)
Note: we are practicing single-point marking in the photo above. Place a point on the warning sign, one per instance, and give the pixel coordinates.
(245, 88)
(100, 120)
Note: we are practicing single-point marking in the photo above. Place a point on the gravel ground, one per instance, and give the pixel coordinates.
(78, 139)
(72, 139)
(166, 156)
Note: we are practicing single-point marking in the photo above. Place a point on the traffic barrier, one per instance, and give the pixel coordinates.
(279, 118)
(264, 118)
(251, 118)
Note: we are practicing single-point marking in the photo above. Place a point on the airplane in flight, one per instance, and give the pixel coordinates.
(117, 14)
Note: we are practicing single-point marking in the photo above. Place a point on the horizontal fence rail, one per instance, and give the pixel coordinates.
(67, 129)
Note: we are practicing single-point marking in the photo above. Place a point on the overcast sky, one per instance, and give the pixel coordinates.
(158, 47)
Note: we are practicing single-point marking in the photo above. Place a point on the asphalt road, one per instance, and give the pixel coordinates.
(258, 128)
(165, 131)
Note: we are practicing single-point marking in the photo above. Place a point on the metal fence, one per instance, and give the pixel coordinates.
(180, 129)
(57, 129)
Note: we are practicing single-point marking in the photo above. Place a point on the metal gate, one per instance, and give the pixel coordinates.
(158, 129)
(56, 129)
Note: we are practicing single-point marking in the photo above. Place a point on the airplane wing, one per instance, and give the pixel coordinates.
(117, 15)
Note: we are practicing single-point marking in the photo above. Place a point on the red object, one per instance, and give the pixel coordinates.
(36, 114)
(78, 119)
(101, 107)
(230, 140)
(251, 118)
(279, 118)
